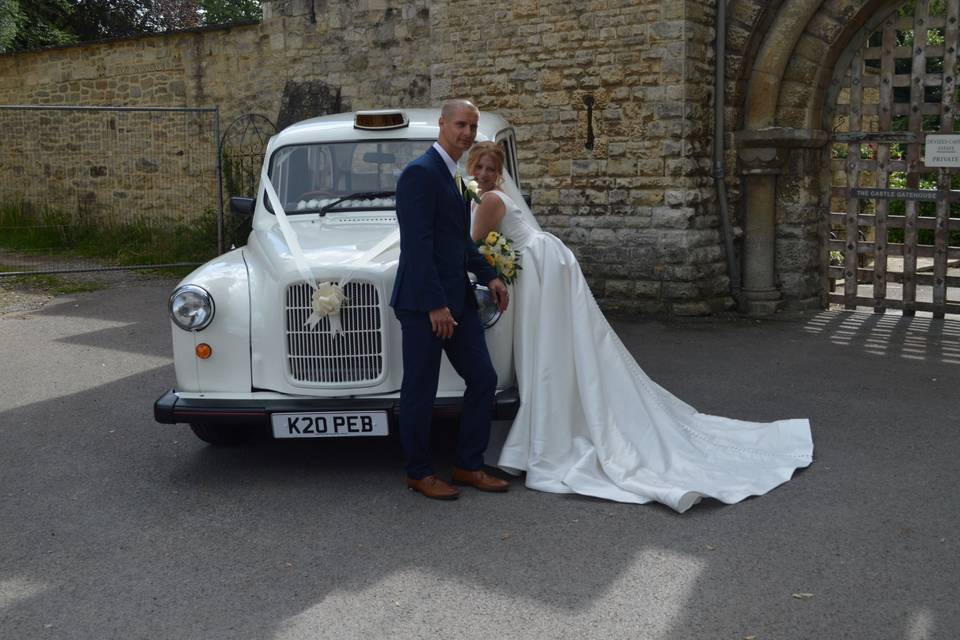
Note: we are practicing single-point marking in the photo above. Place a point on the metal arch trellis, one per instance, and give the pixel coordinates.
(240, 154)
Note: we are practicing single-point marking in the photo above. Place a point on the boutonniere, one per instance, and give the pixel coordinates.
(472, 191)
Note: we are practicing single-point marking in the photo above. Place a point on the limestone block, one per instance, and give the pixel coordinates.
(640, 218)
(666, 30)
(681, 197)
(680, 290)
(825, 27)
(795, 94)
(692, 309)
(574, 235)
(746, 11)
(646, 288)
(796, 255)
(525, 8)
(646, 198)
(621, 167)
(620, 288)
(555, 221)
(583, 167)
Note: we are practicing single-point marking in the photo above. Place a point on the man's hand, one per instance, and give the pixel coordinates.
(500, 293)
(442, 322)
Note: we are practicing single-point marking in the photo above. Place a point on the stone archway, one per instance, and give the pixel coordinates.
(790, 61)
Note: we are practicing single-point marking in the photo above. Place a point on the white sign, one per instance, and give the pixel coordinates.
(942, 151)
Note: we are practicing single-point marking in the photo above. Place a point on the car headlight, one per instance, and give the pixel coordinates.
(489, 314)
(191, 307)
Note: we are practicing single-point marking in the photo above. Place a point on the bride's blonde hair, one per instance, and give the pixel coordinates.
(492, 149)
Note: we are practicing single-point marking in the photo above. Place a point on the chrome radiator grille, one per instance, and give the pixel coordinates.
(315, 355)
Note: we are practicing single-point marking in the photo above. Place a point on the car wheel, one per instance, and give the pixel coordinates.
(219, 434)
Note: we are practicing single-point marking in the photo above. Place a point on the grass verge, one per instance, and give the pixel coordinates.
(44, 230)
(47, 283)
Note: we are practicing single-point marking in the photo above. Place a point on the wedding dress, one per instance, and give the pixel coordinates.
(592, 422)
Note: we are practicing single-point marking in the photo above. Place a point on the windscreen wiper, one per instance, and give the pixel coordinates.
(362, 195)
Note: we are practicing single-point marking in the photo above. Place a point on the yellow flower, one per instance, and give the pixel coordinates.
(492, 238)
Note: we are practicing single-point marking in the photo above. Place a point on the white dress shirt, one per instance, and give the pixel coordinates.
(450, 162)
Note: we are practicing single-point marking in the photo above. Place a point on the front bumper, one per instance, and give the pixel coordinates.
(171, 408)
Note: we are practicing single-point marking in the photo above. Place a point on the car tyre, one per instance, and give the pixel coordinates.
(219, 434)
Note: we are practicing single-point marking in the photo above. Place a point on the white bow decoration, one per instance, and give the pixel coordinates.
(328, 298)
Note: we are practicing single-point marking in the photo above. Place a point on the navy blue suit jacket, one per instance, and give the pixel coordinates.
(435, 246)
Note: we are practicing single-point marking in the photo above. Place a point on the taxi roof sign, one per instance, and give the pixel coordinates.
(377, 120)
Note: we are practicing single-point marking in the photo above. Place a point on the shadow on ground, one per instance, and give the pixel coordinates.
(114, 526)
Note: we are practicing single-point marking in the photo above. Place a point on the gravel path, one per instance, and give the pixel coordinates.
(20, 294)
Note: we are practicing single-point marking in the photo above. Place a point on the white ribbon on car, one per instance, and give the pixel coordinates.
(327, 298)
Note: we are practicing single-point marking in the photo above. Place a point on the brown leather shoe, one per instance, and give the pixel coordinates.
(433, 487)
(479, 480)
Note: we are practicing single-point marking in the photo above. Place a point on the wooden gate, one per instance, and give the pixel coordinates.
(895, 221)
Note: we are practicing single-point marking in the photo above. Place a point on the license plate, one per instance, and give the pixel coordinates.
(330, 424)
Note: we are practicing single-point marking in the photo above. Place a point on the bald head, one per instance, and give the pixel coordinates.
(450, 107)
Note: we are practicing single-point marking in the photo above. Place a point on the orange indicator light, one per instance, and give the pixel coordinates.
(204, 351)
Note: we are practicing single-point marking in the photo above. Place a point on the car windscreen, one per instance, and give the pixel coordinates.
(341, 176)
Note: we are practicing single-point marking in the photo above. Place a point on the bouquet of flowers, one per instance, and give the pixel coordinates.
(498, 251)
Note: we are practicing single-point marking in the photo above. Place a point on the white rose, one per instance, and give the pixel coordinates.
(473, 185)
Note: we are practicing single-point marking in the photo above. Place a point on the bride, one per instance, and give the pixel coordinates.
(590, 420)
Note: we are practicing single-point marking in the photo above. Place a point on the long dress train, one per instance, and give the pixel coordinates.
(592, 422)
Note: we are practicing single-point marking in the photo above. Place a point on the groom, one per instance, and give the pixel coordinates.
(434, 301)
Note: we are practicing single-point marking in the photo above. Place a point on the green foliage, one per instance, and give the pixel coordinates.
(33, 24)
(51, 231)
(229, 11)
(10, 17)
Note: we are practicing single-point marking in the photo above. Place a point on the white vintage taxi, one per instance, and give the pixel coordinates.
(261, 340)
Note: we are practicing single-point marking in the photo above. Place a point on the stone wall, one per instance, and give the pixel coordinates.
(282, 68)
(110, 166)
(612, 103)
(366, 51)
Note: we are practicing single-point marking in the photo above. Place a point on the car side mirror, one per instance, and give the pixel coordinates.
(242, 206)
(527, 199)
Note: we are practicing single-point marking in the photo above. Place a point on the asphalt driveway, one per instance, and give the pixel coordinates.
(113, 526)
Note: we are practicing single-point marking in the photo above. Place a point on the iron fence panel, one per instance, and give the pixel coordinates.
(109, 187)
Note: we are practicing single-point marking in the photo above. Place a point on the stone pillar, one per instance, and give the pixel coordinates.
(763, 155)
(760, 167)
